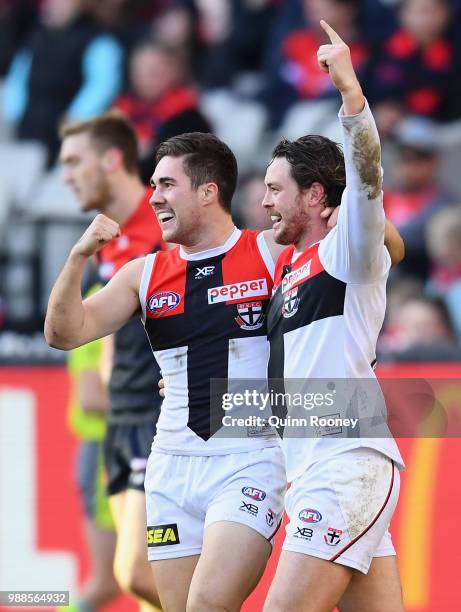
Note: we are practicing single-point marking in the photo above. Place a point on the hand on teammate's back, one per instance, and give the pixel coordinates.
(101, 231)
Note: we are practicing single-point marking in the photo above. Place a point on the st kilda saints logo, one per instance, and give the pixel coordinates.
(332, 537)
(290, 303)
(250, 315)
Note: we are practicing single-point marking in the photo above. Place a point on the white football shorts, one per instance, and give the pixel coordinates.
(185, 494)
(340, 508)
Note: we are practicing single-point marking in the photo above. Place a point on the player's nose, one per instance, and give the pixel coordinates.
(157, 197)
(266, 203)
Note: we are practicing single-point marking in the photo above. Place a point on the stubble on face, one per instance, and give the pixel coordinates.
(296, 223)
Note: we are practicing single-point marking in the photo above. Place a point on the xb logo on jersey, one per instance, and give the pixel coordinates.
(290, 303)
(206, 271)
(250, 315)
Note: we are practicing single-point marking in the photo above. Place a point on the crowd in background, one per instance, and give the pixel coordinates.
(247, 70)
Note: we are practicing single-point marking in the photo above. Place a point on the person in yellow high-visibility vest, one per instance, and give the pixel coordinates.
(87, 420)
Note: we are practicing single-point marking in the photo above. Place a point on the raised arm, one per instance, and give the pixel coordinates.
(71, 321)
(359, 254)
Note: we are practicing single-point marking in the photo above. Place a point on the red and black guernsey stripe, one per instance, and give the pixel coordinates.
(305, 293)
(204, 321)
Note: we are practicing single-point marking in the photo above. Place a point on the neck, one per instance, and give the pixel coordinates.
(125, 194)
(310, 237)
(212, 233)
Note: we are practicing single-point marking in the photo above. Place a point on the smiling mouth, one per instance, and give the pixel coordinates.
(276, 220)
(165, 217)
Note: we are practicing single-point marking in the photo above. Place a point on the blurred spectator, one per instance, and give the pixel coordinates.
(16, 18)
(175, 28)
(416, 195)
(424, 332)
(443, 237)
(67, 68)
(399, 291)
(122, 19)
(230, 37)
(411, 71)
(297, 75)
(248, 210)
(160, 103)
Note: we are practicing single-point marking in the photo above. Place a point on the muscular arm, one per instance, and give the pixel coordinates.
(71, 321)
(354, 250)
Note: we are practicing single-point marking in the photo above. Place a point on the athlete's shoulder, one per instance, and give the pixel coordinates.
(248, 236)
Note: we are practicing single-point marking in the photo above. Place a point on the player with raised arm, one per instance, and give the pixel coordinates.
(323, 323)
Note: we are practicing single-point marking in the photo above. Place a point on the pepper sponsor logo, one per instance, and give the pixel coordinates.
(293, 278)
(162, 535)
(237, 291)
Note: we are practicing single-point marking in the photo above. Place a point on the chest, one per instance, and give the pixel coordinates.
(305, 295)
(205, 302)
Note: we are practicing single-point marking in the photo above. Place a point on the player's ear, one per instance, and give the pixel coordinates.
(112, 159)
(208, 192)
(317, 194)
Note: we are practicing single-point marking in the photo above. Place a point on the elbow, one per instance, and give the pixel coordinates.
(55, 340)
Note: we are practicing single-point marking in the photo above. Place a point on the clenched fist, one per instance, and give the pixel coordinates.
(101, 231)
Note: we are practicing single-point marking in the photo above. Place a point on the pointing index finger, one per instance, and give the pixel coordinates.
(334, 37)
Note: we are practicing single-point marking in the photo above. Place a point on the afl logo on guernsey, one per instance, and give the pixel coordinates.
(162, 302)
(309, 515)
(254, 493)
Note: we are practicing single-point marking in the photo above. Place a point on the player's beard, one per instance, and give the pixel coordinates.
(294, 225)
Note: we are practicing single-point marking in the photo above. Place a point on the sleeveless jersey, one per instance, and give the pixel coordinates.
(133, 389)
(205, 316)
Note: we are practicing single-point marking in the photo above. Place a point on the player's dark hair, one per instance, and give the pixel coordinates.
(206, 160)
(111, 129)
(315, 159)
